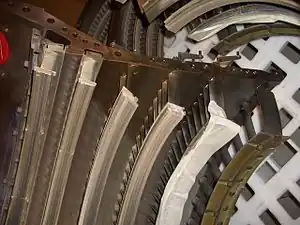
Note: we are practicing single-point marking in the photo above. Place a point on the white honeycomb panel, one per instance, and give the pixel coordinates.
(272, 195)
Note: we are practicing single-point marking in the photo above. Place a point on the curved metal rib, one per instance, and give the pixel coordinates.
(153, 8)
(228, 188)
(253, 33)
(162, 127)
(119, 118)
(78, 109)
(208, 179)
(198, 153)
(196, 8)
(256, 13)
(44, 84)
(80, 101)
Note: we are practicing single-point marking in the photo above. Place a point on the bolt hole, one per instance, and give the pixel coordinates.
(26, 9)
(249, 168)
(75, 35)
(10, 4)
(118, 54)
(64, 29)
(50, 20)
(84, 41)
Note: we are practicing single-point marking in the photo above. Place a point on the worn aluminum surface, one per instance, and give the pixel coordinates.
(134, 181)
(200, 150)
(115, 127)
(234, 177)
(196, 8)
(252, 33)
(247, 14)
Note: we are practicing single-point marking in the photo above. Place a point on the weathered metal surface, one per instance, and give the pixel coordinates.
(252, 33)
(221, 204)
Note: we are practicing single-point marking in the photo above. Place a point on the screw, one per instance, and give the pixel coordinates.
(225, 208)
(231, 194)
(112, 44)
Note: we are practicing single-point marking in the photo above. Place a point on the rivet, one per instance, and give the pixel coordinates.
(259, 157)
(50, 20)
(118, 54)
(75, 34)
(225, 208)
(240, 181)
(10, 4)
(249, 168)
(19, 109)
(26, 9)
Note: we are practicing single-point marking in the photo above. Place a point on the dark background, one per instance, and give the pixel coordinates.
(66, 10)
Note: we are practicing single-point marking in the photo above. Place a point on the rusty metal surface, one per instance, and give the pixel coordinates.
(196, 8)
(14, 83)
(221, 204)
(252, 33)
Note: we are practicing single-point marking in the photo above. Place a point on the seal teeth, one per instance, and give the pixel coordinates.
(156, 198)
(196, 116)
(181, 141)
(172, 161)
(158, 103)
(176, 151)
(139, 141)
(202, 110)
(164, 180)
(185, 132)
(191, 124)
